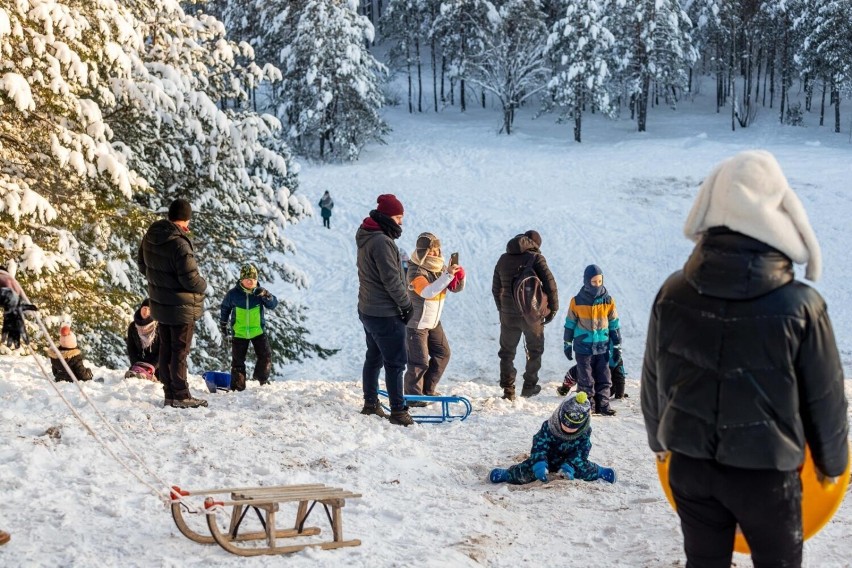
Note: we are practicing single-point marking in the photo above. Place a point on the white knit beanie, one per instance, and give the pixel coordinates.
(67, 339)
(748, 193)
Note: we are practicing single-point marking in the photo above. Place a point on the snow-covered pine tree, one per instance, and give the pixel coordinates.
(458, 28)
(509, 61)
(657, 41)
(404, 25)
(330, 95)
(230, 162)
(580, 49)
(716, 23)
(826, 30)
(65, 183)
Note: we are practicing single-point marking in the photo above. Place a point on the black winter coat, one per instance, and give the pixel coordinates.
(518, 251)
(381, 287)
(135, 351)
(175, 287)
(74, 358)
(741, 365)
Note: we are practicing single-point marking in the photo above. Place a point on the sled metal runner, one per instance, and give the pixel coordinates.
(445, 401)
(265, 502)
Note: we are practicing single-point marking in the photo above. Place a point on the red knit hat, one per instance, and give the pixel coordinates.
(389, 205)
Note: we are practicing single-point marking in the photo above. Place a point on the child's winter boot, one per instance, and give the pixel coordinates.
(499, 475)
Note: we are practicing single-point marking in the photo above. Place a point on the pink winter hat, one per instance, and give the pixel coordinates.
(67, 339)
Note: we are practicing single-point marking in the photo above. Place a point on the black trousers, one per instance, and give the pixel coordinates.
(239, 350)
(511, 330)
(712, 499)
(175, 341)
(428, 356)
(385, 349)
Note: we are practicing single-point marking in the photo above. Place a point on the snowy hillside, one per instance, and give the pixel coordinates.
(618, 200)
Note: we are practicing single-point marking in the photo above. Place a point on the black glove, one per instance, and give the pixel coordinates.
(568, 349)
(261, 292)
(14, 331)
(8, 298)
(616, 353)
(225, 328)
(406, 313)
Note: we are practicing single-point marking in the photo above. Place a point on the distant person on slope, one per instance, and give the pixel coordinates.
(741, 369)
(71, 354)
(520, 250)
(428, 278)
(167, 260)
(142, 340)
(561, 447)
(326, 204)
(591, 331)
(242, 316)
(383, 307)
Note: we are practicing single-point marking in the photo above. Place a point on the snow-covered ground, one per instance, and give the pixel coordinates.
(618, 200)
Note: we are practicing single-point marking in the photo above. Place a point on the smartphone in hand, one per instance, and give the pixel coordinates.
(454, 258)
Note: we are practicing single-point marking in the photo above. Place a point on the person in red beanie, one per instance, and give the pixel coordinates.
(383, 307)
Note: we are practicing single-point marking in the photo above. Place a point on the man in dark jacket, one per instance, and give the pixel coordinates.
(383, 307)
(176, 290)
(519, 250)
(741, 369)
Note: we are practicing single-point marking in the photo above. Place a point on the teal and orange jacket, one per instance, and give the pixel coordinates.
(592, 323)
(244, 310)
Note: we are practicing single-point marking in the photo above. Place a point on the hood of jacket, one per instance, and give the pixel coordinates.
(519, 244)
(364, 235)
(732, 266)
(163, 231)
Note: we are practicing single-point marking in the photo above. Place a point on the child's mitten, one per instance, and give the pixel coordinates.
(567, 471)
(607, 474)
(540, 471)
(499, 475)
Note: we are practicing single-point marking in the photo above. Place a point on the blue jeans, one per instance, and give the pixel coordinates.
(385, 347)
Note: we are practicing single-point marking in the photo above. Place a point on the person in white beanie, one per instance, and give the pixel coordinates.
(71, 354)
(742, 370)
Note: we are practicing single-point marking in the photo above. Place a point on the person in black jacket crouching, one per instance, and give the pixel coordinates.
(742, 370)
(176, 289)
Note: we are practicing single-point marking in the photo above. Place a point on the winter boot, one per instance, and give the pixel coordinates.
(401, 417)
(374, 408)
(509, 393)
(499, 475)
(189, 403)
(562, 390)
(531, 390)
(417, 403)
(238, 380)
(606, 411)
(4, 537)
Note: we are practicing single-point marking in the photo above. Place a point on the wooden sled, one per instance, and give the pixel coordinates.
(445, 401)
(265, 502)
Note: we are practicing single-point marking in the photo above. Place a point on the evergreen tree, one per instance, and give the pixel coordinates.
(658, 46)
(404, 25)
(330, 91)
(580, 49)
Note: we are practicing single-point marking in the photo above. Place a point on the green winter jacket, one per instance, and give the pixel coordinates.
(244, 310)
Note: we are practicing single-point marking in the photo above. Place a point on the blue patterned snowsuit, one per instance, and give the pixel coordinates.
(556, 450)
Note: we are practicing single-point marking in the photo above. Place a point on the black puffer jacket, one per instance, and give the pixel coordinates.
(175, 287)
(741, 365)
(518, 251)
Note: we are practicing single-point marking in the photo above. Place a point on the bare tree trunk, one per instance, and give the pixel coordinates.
(771, 79)
(443, 73)
(785, 70)
(757, 83)
(822, 103)
(689, 88)
(462, 100)
(419, 75)
(836, 95)
(483, 98)
(435, 75)
(578, 110)
(642, 103)
(809, 91)
(408, 70)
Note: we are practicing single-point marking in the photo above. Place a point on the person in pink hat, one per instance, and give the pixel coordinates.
(384, 307)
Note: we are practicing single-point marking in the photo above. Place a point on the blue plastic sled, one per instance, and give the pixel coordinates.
(217, 381)
(445, 401)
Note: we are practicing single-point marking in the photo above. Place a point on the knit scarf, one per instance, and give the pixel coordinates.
(147, 333)
(387, 225)
(430, 263)
(555, 428)
(587, 297)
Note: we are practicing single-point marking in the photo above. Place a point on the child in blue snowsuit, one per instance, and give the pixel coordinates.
(562, 446)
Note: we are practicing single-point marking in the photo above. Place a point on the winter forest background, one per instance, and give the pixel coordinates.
(109, 109)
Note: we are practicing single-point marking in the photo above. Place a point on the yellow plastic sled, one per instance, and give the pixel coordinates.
(818, 504)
